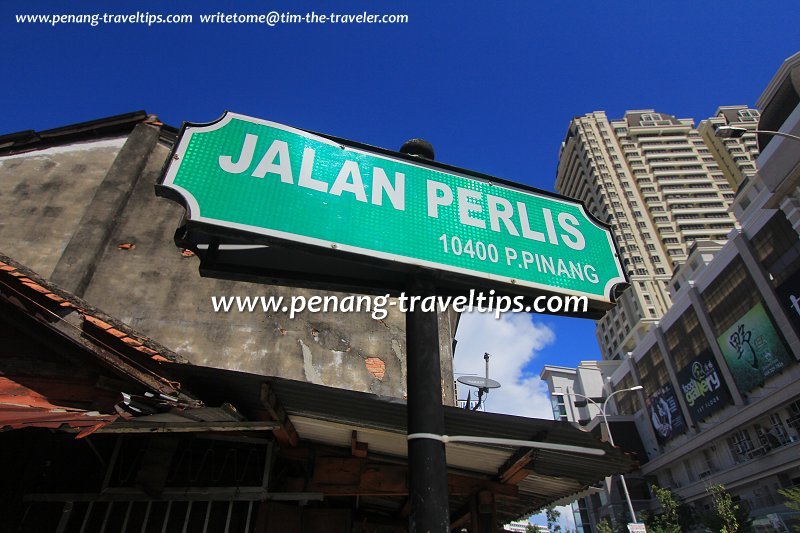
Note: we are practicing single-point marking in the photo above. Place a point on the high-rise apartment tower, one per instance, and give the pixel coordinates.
(735, 156)
(659, 184)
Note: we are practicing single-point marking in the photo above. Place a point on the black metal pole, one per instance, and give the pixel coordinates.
(427, 463)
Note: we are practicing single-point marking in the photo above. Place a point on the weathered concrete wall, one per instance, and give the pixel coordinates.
(43, 196)
(158, 291)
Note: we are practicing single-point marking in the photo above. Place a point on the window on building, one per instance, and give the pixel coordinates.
(670, 479)
(740, 445)
(732, 294)
(628, 402)
(708, 464)
(559, 407)
(685, 339)
(777, 248)
(652, 370)
(794, 416)
(690, 473)
(777, 430)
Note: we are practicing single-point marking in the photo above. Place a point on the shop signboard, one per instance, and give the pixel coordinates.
(753, 349)
(665, 413)
(702, 386)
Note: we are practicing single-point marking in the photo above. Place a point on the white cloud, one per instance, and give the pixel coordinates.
(565, 519)
(512, 341)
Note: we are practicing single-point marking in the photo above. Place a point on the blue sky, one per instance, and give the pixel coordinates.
(492, 85)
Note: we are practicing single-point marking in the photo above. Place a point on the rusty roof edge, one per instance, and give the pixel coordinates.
(148, 353)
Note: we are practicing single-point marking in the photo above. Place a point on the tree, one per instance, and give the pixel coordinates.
(605, 527)
(792, 500)
(620, 525)
(675, 516)
(552, 519)
(727, 516)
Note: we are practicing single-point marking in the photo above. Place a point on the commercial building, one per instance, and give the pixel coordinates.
(578, 395)
(721, 385)
(659, 184)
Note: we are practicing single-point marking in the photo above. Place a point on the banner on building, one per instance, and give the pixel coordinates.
(702, 387)
(665, 413)
(753, 349)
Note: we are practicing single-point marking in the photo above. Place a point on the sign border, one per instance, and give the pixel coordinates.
(166, 187)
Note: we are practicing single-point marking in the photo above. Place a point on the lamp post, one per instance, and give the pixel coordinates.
(610, 437)
(733, 132)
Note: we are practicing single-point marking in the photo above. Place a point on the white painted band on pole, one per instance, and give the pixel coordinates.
(431, 436)
(509, 442)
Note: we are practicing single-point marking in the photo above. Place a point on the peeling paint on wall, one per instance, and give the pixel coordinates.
(398, 352)
(308, 364)
(376, 367)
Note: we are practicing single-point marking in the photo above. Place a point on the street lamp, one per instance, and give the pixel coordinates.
(610, 437)
(733, 132)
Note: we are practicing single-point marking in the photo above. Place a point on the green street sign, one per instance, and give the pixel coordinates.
(303, 189)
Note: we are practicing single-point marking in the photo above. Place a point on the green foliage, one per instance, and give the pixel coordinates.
(608, 526)
(552, 519)
(727, 516)
(604, 527)
(674, 515)
(792, 500)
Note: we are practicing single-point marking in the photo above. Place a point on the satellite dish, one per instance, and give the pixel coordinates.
(483, 384)
(479, 382)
